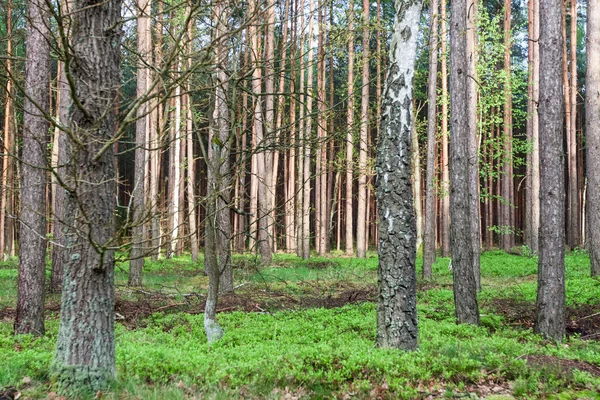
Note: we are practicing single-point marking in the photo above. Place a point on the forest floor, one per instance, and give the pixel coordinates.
(306, 329)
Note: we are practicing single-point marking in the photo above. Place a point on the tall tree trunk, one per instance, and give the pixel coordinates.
(550, 307)
(321, 164)
(507, 238)
(307, 134)
(396, 306)
(218, 226)
(191, 164)
(137, 217)
(474, 209)
(533, 194)
(9, 133)
(85, 350)
(361, 223)
(574, 231)
(445, 167)
(592, 125)
(32, 250)
(349, 246)
(463, 253)
(268, 201)
(430, 180)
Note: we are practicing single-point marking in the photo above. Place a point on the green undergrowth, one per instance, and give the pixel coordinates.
(325, 353)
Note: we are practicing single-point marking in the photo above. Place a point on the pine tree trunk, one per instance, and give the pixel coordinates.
(507, 238)
(475, 203)
(416, 184)
(349, 242)
(361, 218)
(307, 134)
(396, 306)
(533, 196)
(463, 253)
(85, 350)
(550, 307)
(138, 205)
(9, 132)
(32, 250)
(574, 232)
(430, 181)
(445, 167)
(592, 124)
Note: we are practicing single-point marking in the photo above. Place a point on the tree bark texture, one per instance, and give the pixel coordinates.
(429, 239)
(592, 124)
(361, 217)
(137, 218)
(32, 249)
(445, 166)
(396, 306)
(461, 243)
(85, 350)
(350, 135)
(550, 307)
(507, 213)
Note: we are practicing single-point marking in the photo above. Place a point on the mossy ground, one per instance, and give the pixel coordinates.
(306, 329)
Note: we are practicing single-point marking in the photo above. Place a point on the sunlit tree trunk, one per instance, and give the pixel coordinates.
(532, 221)
(9, 134)
(507, 207)
(269, 139)
(349, 242)
(137, 210)
(550, 306)
(191, 164)
(417, 180)
(474, 209)
(574, 208)
(445, 211)
(430, 181)
(361, 218)
(307, 132)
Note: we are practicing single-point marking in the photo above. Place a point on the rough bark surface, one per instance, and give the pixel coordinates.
(550, 307)
(445, 166)
(592, 119)
(85, 350)
(430, 181)
(32, 249)
(396, 306)
(461, 243)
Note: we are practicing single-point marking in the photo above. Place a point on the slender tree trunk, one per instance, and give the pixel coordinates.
(430, 183)
(574, 231)
(349, 247)
(9, 134)
(463, 253)
(533, 196)
(218, 253)
(445, 167)
(85, 350)
(507, 238)
(361, 223)
(396, 306)
(550, 308)
(307, 134)
(32, 250)
(416, 184)
(474, 209)
(137, 217)
(592, 125)
(268, 200)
